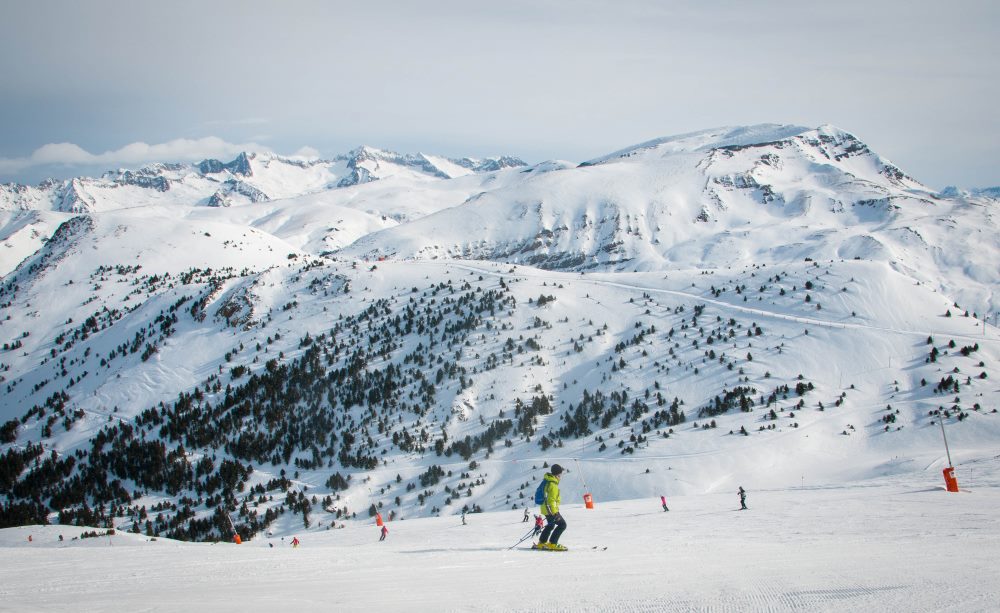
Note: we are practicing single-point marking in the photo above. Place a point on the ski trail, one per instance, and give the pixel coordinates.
(728, 306)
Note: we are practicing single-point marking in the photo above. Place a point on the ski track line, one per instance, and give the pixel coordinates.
(725, 305)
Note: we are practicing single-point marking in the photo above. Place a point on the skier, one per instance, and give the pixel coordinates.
(525, 520)
(385, 531)
(743, 499)
(538, 525)
(295, 542)
(463, 518)
(549, 539)
(663, 501)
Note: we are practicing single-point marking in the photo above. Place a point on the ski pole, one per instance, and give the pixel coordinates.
(526, 537)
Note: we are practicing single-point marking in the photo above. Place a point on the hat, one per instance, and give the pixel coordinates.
(556, 470)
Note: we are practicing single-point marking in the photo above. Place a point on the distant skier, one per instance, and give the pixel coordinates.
(525, 520)
(463, 518)
(295, 542)
(663, 501)
(385, 531)
(538, 525)
(743, 499)
(549, 539)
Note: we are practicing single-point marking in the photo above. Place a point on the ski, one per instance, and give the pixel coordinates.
(535, 547)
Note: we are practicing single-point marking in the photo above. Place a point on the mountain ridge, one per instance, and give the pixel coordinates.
(240, 185)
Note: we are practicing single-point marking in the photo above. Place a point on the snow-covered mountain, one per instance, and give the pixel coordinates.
(659, 203)
(977, 192)
(292, 342)
(250, 178)
(718, 199)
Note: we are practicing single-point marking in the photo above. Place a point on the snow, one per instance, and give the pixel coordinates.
(898, 543)
(23, 233)
(707, 139)
(845, 513)
(447, 166)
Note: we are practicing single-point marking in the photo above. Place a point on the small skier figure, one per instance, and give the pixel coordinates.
(743, 498)
(295, 542)
(549, 539)
(538, 525)
(463, 518)
(385, 531)
(663, 501)
(525, 520)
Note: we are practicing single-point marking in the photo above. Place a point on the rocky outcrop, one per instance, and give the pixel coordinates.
(223, 196)
(239, 166)
(75, 199)
(490, 164)
(144, 180)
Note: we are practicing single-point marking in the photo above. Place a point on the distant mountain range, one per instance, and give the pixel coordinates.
(251, 177)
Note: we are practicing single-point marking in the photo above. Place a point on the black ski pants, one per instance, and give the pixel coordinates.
(553, 529)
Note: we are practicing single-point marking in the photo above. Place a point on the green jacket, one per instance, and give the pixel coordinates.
(551, 504)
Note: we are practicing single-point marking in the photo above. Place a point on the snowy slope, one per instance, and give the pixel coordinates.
(451, 318)
(878, 545)
(861, 349)
(704, 140)
(23, 233)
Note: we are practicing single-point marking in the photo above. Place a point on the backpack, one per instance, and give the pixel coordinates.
(540, 493)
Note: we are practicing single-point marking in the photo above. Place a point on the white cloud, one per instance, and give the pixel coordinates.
(178, 150)
(59, 153)
(306, 152)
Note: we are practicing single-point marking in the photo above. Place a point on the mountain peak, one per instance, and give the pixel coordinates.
(703, 140)
(239, 166)
(367, 152)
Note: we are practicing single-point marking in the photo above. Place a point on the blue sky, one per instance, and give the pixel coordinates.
(86, 86)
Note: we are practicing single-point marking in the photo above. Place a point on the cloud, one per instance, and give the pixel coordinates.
(138, 153)
(58, 153)
(306, 152)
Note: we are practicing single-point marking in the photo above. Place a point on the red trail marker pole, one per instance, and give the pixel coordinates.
(950, 482)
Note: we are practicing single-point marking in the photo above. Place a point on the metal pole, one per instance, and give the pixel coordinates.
(582, 478)
(941, 421)
(524, 538)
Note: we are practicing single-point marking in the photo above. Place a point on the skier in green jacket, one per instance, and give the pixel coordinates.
(549, 540)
